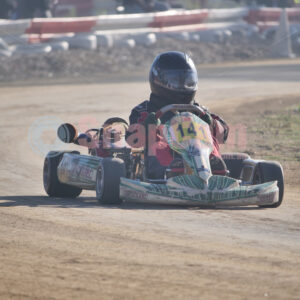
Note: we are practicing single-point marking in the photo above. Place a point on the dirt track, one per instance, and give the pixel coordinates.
(54, 249)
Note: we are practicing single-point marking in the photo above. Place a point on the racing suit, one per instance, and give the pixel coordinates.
(165, 157)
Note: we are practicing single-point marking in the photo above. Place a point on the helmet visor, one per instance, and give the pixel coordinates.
(177, 80)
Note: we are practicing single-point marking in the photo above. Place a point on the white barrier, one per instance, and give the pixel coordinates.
(33, 49)
(60, 46)
(17, 27)
(209, 32)
(145, 39)
(123, 21)
(104, 31)
(16, 39)
(83, 41)
(104, 22)
(144, 20)
(104, 40)
(215, 15)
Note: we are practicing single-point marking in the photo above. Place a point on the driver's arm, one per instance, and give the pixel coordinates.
(206, 117)
(218, 126)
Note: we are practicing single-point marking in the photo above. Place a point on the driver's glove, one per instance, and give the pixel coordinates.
(206, 117)
(151, 119)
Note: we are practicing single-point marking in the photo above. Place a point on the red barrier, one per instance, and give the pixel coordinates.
(162, 21)
(272, 15)
(177, 20)
(44, 26)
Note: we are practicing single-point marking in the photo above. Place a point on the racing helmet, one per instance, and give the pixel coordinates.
(173, 78)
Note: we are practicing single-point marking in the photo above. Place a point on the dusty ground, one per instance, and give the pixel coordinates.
(63, 249)
(82, 64)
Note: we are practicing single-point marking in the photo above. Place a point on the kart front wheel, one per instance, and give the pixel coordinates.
(108, 180)
(52, 185)
(270, 171)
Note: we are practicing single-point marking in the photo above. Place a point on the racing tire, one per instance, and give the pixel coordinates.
(52, 185)
(108, 180)
(270, 171)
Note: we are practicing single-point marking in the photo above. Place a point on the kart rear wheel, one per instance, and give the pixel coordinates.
(108, 180)
(270, 171)
(52, 185)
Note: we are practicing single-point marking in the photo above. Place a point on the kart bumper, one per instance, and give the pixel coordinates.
(190, 190)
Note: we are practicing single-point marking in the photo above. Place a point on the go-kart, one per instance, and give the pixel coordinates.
(122, 175)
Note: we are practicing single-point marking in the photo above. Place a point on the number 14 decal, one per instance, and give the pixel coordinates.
(191, 132)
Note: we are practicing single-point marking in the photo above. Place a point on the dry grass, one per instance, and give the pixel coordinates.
(273, 133)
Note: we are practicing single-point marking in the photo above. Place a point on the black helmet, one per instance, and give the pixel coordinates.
(173, 78)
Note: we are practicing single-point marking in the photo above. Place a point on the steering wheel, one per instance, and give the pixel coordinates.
(179, 107)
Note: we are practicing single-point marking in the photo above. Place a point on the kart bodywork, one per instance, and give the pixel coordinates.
(122, 174)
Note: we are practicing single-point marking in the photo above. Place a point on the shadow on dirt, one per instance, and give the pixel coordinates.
(80, 202)
(32, 201)
(88, 202)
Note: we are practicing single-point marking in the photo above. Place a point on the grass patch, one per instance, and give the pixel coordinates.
(274, 134)
(277, 135)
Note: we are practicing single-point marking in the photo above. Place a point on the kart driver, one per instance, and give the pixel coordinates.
(174, 80)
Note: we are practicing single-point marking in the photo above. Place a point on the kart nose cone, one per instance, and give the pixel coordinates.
(205, 175)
